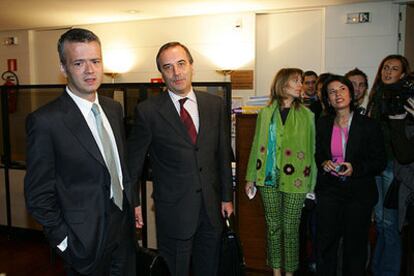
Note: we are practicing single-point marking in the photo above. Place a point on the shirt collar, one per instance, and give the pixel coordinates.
(85, 106)
(191, 96)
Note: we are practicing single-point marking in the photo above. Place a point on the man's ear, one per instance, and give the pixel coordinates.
(63, 69)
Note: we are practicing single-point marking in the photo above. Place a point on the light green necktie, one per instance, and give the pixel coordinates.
(109, 157)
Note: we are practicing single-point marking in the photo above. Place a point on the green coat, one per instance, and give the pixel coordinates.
(295, 150)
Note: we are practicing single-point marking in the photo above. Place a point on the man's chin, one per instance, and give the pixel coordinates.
(180, 90)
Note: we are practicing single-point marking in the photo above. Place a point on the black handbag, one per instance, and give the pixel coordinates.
(150, 263)
(231, 255)
(391, 197)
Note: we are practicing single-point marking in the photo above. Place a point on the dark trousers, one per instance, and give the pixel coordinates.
(201, 250)
(410, 221)
(119, 253)
(307, 236)
(339, 215)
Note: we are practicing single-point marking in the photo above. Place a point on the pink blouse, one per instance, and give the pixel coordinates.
(337, 146)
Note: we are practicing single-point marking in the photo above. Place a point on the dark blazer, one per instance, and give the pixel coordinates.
(365, 151)
(67, 184)
(181, 170)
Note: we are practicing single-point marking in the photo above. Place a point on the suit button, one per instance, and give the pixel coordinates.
(200, 169)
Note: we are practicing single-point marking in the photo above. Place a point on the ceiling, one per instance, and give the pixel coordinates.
(39, 14)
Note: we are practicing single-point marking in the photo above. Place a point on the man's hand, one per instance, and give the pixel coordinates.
(226, 209)
(138, 217)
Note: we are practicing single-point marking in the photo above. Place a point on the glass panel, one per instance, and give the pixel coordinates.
(31, 97)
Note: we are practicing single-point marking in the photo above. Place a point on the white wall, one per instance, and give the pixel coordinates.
(45, 59)
(320, 40)
(213, 40)
(360, 45)
(288, 39)
(20, 52)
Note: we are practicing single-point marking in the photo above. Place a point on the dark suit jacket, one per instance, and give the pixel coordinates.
(180, 169)
(67, 185)
(365, 151)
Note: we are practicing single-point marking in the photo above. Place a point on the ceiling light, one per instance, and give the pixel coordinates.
(132, 11)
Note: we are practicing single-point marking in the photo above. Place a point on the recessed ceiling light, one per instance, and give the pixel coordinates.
(132, 11)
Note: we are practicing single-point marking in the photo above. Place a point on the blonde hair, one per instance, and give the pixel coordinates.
(280, 81)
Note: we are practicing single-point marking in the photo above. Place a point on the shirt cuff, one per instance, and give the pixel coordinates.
(63, 245)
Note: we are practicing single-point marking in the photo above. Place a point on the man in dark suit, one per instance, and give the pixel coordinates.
(186, 134)
(77, 185)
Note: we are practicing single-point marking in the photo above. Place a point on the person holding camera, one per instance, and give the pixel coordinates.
(349, 154)
(385, 101)
(402, 140)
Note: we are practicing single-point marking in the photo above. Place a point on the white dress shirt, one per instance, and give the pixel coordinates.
(190, 105)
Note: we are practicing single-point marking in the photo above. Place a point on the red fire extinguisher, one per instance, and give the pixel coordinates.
(10, 87)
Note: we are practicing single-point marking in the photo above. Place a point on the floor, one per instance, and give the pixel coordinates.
(27, 253)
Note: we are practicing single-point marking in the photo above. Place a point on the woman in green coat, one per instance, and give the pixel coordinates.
(282, 166)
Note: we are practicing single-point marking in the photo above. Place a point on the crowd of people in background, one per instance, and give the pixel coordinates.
(363, 144)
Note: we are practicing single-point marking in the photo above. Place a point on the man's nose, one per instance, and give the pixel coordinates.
(89, 67)
(176, 70)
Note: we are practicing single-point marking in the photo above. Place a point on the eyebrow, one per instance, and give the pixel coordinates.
(86, 59)
(181, 60)
(334, 89)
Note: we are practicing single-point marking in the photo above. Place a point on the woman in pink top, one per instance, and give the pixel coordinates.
(349, 153)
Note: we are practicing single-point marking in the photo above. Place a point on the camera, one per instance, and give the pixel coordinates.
(340, 168)
(395, 96)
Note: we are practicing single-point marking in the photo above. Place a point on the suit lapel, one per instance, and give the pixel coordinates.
(203, 110)
(76, 123)
(170, 114)
(329, 135)
(352, 137)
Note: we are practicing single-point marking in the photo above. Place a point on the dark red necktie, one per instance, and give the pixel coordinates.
(187, 121)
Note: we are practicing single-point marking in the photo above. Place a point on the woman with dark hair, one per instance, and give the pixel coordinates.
(282, 166)
(388, 81)
(349, 153)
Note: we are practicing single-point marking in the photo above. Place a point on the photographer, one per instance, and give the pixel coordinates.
(402, 139)
(384, 101)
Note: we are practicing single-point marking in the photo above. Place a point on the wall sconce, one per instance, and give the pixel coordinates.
(117, 61)
(112, 75)
(119, 94)
(225, 73)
